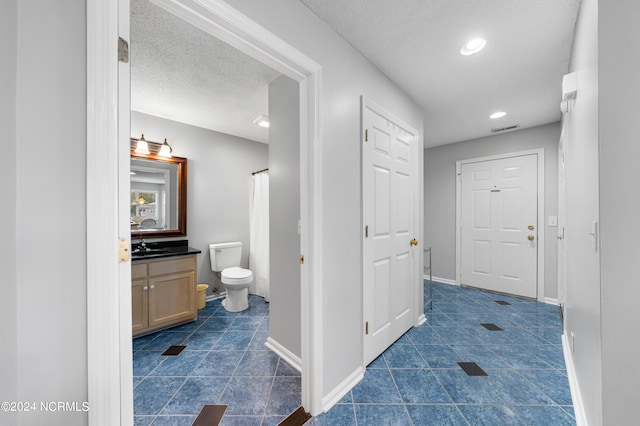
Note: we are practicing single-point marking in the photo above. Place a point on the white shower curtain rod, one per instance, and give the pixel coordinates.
(259, 171)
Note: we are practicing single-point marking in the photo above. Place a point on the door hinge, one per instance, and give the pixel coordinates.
(366, 135)
(123, 250)
(123, 50)
(366, 327)
(302, 259)
(366, 231)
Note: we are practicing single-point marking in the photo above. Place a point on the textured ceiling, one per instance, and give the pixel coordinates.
(183, 74)
(416, 43)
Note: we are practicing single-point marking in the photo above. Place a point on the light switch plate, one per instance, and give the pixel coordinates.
(553, 220)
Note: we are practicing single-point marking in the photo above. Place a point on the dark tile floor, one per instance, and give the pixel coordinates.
(224, 362)
(418, 380)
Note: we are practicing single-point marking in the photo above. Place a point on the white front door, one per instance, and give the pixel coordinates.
(499, 225)
(390, 173)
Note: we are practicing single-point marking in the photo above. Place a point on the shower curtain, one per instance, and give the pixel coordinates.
(259, 235)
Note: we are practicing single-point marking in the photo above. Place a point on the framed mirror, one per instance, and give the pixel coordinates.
(158, 187)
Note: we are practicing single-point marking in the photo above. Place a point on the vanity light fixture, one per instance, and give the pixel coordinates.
(261, 120)
(498, 114)
(473, 46)
(165, 150)
(142, 147)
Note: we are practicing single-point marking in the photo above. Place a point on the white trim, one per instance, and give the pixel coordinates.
(442, 280)
(341, 390)
(541, 222)
(111, 402)
(284, 353)
(109, 374)
(576, 397)
(551, 301)
(214, 297)
(421, 320)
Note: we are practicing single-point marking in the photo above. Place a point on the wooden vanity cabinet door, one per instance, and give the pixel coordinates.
(139, 298)
(139, 305)
(171, 298)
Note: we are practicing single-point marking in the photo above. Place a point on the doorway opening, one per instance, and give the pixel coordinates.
(109, 341)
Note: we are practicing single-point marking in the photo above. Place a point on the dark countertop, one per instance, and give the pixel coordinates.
(160, 249)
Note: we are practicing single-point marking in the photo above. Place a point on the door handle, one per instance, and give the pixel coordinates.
(531, 238)
(413, 242)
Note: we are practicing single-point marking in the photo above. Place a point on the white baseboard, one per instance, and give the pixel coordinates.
(422, 319)
(341, 390)
(284, 353)
(215, 296)
(551, 301)
(578, 407)
(442, 280)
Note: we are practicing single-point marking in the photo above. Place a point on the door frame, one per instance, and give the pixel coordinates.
(418, 290)
(109, 370)
(541, 222)
(563, 152)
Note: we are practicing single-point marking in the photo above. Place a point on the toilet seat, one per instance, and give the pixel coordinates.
(236, 276)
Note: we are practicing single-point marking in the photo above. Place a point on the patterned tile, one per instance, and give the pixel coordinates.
(377, 386)
(464, 389)
(404, 356)
(420, 387)
(489, 415)
(395, 415)
(195, 393)
(153, 393)
(285, 396)
(544, 415)
(246, 395)
(435, 415)
(417, 380)
(341, 414)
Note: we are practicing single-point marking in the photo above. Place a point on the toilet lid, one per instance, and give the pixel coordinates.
(236, 275)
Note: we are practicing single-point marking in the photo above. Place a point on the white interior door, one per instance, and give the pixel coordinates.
(499, 225)
(389, 156)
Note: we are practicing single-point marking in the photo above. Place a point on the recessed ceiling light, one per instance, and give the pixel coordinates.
(261, 120)
(498, 114)
(473, 46)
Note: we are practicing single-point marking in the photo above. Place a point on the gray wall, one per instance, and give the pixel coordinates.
(219, 183)
(51, 112)
(284, 212)
(346, 75)
(440, 193)
(619, 89)
(8, 177)
(582, 317)
(49, 276)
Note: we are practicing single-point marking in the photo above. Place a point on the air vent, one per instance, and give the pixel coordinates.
(505, 129)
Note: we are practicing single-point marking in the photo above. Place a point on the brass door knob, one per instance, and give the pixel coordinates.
(531, 238)
(413, 242)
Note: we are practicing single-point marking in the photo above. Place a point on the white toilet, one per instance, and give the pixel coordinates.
(225, 258)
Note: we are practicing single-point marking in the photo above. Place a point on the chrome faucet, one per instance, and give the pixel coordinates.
(142, 246)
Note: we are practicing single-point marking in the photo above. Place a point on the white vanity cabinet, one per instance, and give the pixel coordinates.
(163, 292)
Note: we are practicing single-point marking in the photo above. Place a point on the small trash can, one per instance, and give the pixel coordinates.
(202, 295)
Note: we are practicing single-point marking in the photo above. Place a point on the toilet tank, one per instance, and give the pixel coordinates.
(225, 255)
